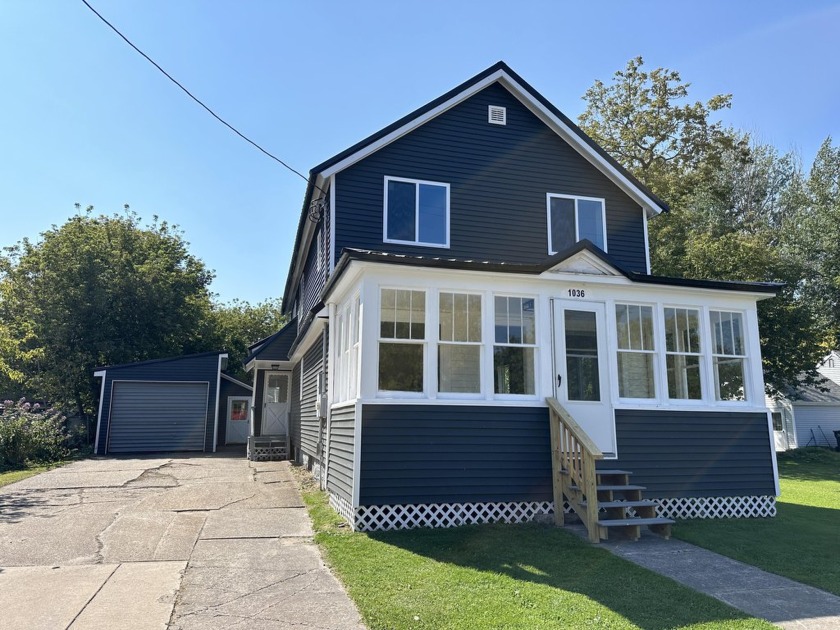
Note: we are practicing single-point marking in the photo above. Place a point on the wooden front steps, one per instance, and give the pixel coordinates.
(621, 508)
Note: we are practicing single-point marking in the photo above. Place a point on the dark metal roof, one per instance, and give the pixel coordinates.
(349, 255)
(313, 174)
(166, 359)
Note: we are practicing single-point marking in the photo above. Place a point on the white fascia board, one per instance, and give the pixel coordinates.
(99, 374)
(558, 126)
(238, 382)
(315, 329)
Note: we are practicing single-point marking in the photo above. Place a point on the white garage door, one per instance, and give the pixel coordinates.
(148, 417)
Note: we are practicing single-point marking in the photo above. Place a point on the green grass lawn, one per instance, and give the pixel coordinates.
(503, 576)
(11, 476)
(803, 541)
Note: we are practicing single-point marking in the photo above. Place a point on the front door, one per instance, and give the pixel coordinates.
(582, 377)
(275, 416)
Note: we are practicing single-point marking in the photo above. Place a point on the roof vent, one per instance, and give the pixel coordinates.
(496, 115)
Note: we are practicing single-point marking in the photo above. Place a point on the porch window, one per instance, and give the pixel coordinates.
(347, 351)
(513, 354)
(572, 219)
(728, 355)
(683, 353)
(402, 335)
(636, 351)
(459, 352)
(416, 212)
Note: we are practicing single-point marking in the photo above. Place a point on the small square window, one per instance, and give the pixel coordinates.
(416, 212)
(572, 219)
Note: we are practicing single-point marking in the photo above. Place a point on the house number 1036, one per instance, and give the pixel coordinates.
(577, 293)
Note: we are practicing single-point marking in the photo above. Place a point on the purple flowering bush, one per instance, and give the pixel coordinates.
(30, 433)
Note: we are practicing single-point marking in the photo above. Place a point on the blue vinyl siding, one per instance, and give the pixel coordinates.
(449, 453)
(499, 177)
(696, 454)
(198, 368)
(340, 472)
(314, 362)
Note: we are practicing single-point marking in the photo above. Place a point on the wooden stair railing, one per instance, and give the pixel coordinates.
(604, 500)
(573, 457)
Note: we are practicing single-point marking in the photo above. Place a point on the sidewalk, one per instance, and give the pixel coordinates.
(781, 601)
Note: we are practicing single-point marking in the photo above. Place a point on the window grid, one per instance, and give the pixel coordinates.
(402, 350)
(728, 355)
(508, 312)
(683, 351)
(456, 340)
(635, 343)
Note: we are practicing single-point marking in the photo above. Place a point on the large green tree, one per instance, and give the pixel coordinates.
(733, 202)
(97, 290)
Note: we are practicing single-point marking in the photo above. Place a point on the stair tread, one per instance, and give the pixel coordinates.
(636, 521)
(612, 487)
(636, 503)
(608, 471)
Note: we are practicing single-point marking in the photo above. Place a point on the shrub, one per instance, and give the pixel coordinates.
(30, 433)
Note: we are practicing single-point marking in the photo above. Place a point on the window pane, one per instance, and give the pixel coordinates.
(729, 374)
(777, 421)
(401, 211)
(461, 317)
(622, 326)
(514, 320)
(501, 319)
(591, 221)
(403, 314)
(727, 332)
(474, 327)
(562, 223)
(387, 314)
(401, 367)
(529, 333)
(582, 375)
(446, 317)
(432, 214)
(682, 330)
(459, 369)
(683, 377)
(513, 370)
(635, 375)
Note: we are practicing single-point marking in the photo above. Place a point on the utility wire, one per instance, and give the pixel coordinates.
(196, 99)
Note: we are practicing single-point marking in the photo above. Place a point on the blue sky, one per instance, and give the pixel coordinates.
(85, 119)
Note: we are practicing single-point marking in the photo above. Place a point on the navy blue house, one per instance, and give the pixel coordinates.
(462, 266)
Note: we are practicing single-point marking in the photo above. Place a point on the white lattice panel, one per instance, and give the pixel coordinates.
(717, 507)
(343, 507)
(388, 517)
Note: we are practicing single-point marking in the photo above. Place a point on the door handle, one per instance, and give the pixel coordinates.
(559, 380)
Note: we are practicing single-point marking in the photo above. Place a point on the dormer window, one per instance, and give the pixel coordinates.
(416, 212)
(572, 219)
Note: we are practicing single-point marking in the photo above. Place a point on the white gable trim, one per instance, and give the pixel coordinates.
(556, 124)
(584, 262)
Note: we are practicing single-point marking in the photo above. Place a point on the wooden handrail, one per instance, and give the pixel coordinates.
(573, 457)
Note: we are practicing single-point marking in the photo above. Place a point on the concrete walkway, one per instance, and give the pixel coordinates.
(166, 542)
(781, 601)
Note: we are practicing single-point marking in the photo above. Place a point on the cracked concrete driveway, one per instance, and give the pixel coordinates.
(179, 542)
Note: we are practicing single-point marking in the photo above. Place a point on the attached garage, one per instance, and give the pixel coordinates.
(148, 417)
(162, 405)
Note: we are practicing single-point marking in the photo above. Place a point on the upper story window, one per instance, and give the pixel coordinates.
(416, 212)
(572, 219)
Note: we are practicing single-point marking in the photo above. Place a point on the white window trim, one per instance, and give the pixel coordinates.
(491, 325)
(706, 394)
(612, 324)
(418, 242)
(575, 198)
(482, 368)
(395, 393)
(745, 357)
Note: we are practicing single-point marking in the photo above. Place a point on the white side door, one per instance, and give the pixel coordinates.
(582, 382)
(275, 416)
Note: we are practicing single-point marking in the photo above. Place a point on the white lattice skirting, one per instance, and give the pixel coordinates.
(342, 506)
(717, 507)
(388, 517)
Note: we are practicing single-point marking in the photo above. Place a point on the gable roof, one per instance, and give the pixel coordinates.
(498, 73)
(825, 392)
(275, 347)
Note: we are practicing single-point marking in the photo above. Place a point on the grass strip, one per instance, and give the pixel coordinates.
(802, 542)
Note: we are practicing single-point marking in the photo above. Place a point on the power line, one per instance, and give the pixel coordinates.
(197, 100)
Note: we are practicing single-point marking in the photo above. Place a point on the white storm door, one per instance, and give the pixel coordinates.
(275, 417)
(582, 382)
(236, 431)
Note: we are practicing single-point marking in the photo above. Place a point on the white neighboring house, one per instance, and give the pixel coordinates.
(812, 418)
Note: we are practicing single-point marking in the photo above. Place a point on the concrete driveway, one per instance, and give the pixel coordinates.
(179, 542)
